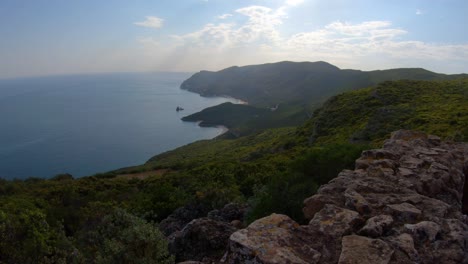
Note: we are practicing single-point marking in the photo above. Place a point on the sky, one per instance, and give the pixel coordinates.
(53, 37)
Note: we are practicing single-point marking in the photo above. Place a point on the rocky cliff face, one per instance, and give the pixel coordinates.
(402, 204)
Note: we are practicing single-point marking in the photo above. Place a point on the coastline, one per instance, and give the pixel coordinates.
(224, 130)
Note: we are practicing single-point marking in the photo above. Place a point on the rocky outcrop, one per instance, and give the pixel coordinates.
(198, 236)
(202, 239)
(402, 204)
(181, 217)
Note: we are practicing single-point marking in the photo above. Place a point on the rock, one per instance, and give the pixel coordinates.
(181, 217)
(237, 224)
(314, 204)
(272, 239)
(409, 194)
(201, 240)
(363, 250)
(229, 213)
(404, 211)
(355, 201)
(376, 226)
(465, 190)
(424, 231)
(335, 221)
(405, 243)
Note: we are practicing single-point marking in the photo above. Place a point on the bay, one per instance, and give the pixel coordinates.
(87, 124)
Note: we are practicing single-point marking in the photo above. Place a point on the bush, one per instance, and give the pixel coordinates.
(286, 191)
(124, 238)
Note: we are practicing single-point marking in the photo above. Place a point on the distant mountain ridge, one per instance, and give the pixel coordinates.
(302, 82)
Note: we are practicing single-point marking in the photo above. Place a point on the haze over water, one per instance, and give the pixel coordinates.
(87, 124)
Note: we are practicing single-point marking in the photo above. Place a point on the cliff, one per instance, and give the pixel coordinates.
(403, 203)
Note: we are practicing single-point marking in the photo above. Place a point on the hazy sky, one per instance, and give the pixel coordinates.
(44, 37)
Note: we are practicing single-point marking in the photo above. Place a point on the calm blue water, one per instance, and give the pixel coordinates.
(88, 124)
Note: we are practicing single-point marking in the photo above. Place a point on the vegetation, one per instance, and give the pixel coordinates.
(370, 115)
(245, 119)
(294, 89)
(112, 217)
(310, 83)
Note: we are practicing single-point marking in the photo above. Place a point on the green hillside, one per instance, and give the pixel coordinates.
(370, 115)
(305, 82)
(245, 119)
(294, 89)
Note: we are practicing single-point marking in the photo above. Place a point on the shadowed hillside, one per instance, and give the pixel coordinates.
(309, 82)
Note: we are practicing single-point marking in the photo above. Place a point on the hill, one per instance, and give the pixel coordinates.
(244, 119)
(371, 114)
(306, 82)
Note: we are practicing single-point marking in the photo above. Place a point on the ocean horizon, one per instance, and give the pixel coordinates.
(89, 124)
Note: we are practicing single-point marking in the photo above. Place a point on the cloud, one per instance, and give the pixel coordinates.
(258, 39)
(151, 22)
(224, 16)
(419, 12)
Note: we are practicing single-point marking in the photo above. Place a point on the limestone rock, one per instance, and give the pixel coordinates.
(181, 217)
(201, 240)
(377, 225)
(356, 202)
(363, 250)
(335, 221)
(405, 243)
(404, 211)
(272, 239)
(424, 231)
(229, 213)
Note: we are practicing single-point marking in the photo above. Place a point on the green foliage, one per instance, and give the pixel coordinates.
(123, 238)
(285, 192)
(325, 162)
(370, 115)
(245, 119)
(26, 236)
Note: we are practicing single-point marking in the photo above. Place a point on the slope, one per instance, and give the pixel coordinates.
(306, 82)
(369, 115)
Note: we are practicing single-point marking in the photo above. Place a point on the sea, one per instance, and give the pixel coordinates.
(89, 124)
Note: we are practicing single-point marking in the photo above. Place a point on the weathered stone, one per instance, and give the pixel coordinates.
(228, 213)
(355, 201)
(363, 250)
(376, 225)
(377, 154)
(237, 224)
(314, 204)
(404, 211)
(272, 239)
(201, 239)
(405, 243)
(424, 231)
(181, 217)
(335, 221)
